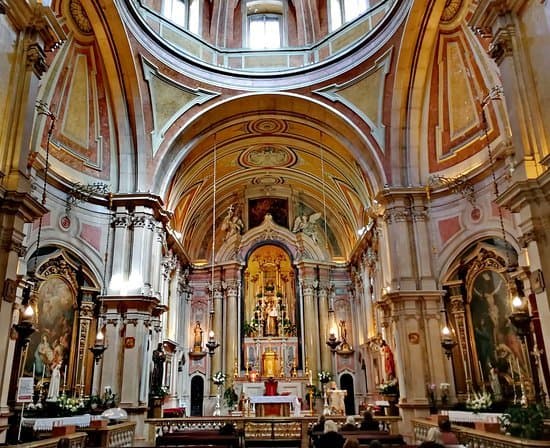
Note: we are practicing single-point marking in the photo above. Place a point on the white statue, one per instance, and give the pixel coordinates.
(55, 382)
(232, 223)
(307, 225)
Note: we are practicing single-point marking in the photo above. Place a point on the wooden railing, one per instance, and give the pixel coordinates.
(74, 440)
(473, 438)
(254, 428)
(112, 436)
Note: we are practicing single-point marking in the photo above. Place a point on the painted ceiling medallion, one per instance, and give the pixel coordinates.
(268, 156)
(451, 9)
(80, 17)
(267, 126)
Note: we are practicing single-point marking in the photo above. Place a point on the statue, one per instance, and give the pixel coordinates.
(158, 368)
(197, 337)
(232, 224)
(307, 225)
(271, 320)
(389, 363)
(55, 382)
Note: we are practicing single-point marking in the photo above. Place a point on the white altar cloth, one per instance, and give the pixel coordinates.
(471, 417)
(273, 399)
(47, 424)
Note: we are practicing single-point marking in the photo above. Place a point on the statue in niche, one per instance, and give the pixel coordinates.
(232, 223)
(197, 337)
(157, 375)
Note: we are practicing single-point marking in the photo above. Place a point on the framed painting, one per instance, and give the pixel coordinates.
(497, 345)
(276, 207)
(50, 347)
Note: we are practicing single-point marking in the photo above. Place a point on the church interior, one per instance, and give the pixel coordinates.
(273, 209)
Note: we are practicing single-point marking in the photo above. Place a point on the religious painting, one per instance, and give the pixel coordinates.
(498, 348)
(50, 346)
(276, 207)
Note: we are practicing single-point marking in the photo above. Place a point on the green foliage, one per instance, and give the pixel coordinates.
(230, 397)
(525, 422)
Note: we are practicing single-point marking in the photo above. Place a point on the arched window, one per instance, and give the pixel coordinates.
(184, 13)
(343, 11)
(264, 24)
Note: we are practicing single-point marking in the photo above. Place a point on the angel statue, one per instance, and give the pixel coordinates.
(307, 225)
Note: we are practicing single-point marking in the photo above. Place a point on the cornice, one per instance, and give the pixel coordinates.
(31, 14)
(22, 204)
(523, 193)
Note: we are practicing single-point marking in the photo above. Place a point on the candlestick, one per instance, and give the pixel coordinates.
(481, 372)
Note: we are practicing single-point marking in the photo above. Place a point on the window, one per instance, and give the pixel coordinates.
(264, 24)
(343, 11)
(184, 13)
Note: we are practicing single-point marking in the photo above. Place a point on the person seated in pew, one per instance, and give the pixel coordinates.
(430, 444)
(319, 426)
(351, 443)
(447, 436)
(349, 425)
(331, 438)
(369, 423)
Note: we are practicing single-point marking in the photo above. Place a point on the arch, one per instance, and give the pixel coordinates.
(347, 384)
(327, 164)
(197, 396)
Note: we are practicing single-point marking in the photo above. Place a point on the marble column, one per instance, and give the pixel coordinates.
(216, 360)
(33, 30)
(311, 329)
(232, 328)
(324, 326)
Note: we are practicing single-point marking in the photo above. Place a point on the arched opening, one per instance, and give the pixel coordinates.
(346, 383)
(197, 396)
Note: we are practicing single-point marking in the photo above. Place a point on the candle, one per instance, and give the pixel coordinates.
(481, 372)
(33, 369)
(519, 368)
(65, 377)
(43, 370)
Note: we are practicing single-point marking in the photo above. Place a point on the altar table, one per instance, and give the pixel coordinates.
(268, 405)
(47, 424)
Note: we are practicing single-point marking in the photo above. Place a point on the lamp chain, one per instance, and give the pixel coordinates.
(43, 109)
(494, 94)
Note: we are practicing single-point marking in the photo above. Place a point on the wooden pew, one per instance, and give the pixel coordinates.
(365, 437)
(196, 439)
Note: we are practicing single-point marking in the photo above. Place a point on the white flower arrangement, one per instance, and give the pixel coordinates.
(219, 378)
(479, 401)
(324, 376)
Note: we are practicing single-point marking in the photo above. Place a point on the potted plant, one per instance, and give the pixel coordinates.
(525, 422)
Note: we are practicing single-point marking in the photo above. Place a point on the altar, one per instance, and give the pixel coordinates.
(275, 405)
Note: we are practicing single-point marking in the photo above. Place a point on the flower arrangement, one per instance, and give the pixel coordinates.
(389, 387)
(159, 392)
(251, 327)
(324, 376)
(479, 401)
(69, 405)
(219, 378)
